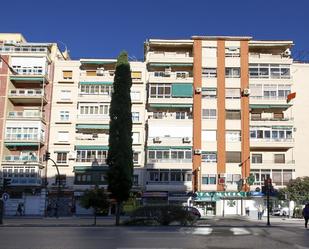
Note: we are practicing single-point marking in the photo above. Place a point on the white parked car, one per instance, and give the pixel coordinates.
(281, 211)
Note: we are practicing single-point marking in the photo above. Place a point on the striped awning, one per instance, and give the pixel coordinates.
(95, 83)
(11, 144)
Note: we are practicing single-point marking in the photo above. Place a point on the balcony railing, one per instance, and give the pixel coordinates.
(290, 162)
(169, 116)
(26, 181)
(93, 117)
(28, 70)
(167, 182)
(162, 75)
(25, 115)
(18, 159)
(268, 97)
(91, 137)
(272, 140)
(169, 160)
(18, 49)
(26, 93)
(25, 137)
(271, 119)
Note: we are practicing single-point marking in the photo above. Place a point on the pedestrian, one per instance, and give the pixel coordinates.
(306, 214)
(247, 211)
(260, 212)
(19, 210)
(48, 210)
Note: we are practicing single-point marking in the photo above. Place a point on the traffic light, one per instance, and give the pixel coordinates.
(250, 179)
(47, 156)
(6, 183)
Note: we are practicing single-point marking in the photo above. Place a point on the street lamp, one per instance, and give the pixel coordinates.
(47, 157)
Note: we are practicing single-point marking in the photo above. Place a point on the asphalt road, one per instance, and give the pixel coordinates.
(212, 237)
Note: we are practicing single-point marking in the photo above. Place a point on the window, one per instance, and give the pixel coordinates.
(256, 116)
(232, 93)
(87, 109)
(209, 93)
(209, 72)
(233, 157)
(83, 178)
(233, 136)
(65, 95)
(172, 155)
(95, 89)
(67, 75)
(257, 158)
(160, 91)
(63, 136)
(153, 176)
(209, 135)
(209, 113)
(182, 75)
(273, 71)
(135, 95)
(177, 176)
(62, 157)
(232, 72)
(64, 115)
(135, 137)
(232, 114)
(136, 75)
(278, 115)
(91, 155)
(279, 158)
(232, 178)
(209, 157)
(135, 116)
(135, 157)
(287, 176)
(209, 179)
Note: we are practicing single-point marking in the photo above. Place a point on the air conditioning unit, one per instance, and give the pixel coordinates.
(157, 139)
(186, 140)
(198, 90)
(100, 72)
(197, 152)
(246, 92)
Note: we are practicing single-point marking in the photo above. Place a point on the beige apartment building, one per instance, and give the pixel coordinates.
(207, 113)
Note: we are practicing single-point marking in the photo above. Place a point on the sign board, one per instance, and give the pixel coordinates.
(5, 197)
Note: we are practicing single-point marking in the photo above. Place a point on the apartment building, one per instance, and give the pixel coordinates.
(218, 112)
(26, 77)
(207, 113)
(80, 128)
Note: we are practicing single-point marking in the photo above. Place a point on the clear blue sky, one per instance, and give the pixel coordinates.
(101, 29)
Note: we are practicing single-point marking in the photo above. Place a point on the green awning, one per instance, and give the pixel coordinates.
(10, 144)
(95, 83)
(216, 196)
(170, 64)
(93, 126)
(170, 105)
(182, 90)
(84, 169)
(91, 147)
(261, 106)
(27, 78)
(287, 127)
(169, 147)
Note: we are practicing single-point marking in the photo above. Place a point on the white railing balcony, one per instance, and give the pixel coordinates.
(272, 119)
(162, 76)
(169, 116)
(25, 115)
(93, 117)
(19, 92)
(99, 76)
(91, 139)
(268, 162)
(23, 49)
(22, 159)
(169, 160)
(272, 143)
(28, 70)
(25, 137)
(179, 57)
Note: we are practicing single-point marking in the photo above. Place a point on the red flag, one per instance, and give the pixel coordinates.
(290, 97)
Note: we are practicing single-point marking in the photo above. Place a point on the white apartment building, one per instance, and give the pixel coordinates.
(80, 127)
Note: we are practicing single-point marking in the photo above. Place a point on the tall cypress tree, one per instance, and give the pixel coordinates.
(120, 154)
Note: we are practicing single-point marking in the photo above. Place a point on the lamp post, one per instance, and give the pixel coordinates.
(47, 157)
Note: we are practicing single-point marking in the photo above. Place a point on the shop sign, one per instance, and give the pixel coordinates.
(215, 196)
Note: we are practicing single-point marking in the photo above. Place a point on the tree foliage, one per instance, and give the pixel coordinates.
(297, 190)
(120, 154)
(96, 199)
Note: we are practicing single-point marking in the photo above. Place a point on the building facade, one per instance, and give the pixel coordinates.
(207, 113)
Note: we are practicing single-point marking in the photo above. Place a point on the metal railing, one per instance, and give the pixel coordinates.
(20, 92)
(25, 115)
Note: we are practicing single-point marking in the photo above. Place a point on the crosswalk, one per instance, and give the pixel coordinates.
(218, 231)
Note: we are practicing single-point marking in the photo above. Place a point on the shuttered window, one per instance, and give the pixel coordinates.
(67, 75)
(136, 75)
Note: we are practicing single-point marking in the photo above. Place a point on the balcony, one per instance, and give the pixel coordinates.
(257, 121)
(97, 76)
(178, 186)
(269, 58)
(28, 75)
(23, 175)
(16, 159)
(26, 115)
(24, 139)
(90, 119)
(272, 164)
(92, 139)
(171, 77)
(170, 57)
(285, 143)
(266, 103)
(27, 96)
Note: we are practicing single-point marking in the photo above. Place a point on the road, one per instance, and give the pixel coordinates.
(242, 236)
